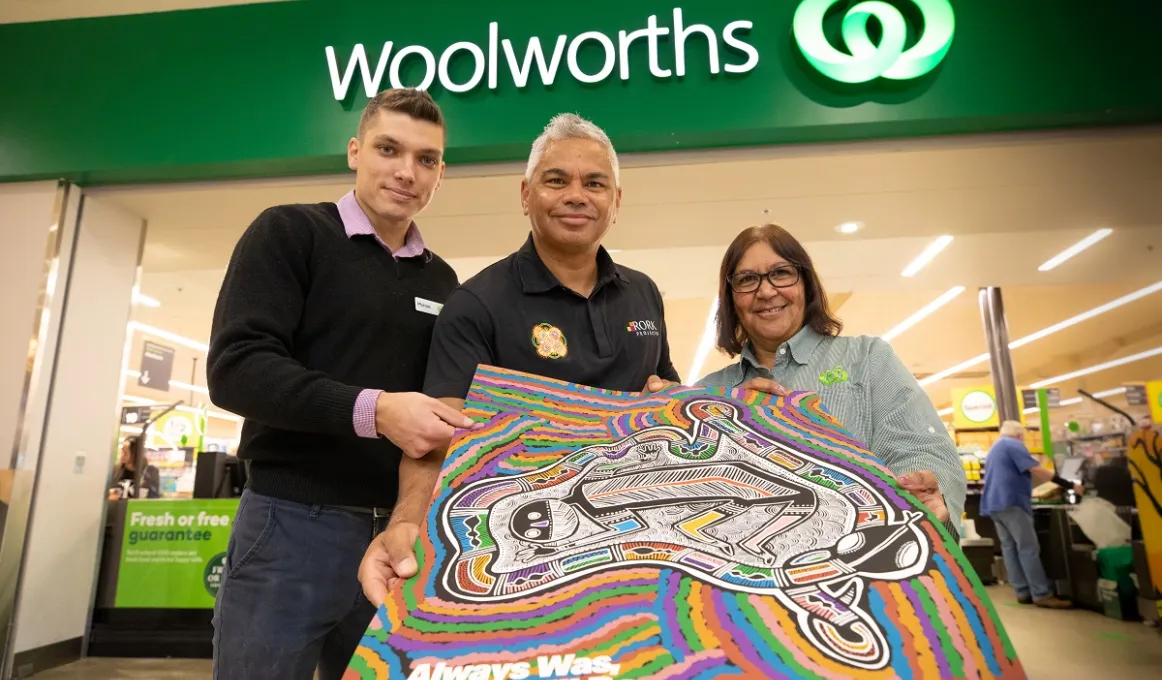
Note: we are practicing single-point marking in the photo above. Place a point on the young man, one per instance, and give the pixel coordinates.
(559, 307)
(320, 340)
(1007, 499)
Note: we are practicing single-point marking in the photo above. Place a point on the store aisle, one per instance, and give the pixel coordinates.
(1051, 644)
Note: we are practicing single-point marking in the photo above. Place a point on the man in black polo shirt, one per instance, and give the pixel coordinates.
(559, 307)
(320, 340)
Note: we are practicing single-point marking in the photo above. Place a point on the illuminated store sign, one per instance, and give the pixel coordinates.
(867, 60)
(728, 51)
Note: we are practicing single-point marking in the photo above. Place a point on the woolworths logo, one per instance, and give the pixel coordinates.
(728, 50)
(865, 59)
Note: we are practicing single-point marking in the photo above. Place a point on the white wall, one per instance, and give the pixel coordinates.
(32, 258)
(80, 436)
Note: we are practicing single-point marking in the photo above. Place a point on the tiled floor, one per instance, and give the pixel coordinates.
(1052, 645)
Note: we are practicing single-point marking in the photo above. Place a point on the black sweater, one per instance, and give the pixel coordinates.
(306, 319)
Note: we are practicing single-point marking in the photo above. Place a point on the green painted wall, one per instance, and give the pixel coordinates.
(245, 91)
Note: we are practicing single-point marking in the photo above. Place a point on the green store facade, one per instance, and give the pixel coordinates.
(275, 90)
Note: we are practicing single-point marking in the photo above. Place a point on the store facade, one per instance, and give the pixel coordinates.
(276, 89)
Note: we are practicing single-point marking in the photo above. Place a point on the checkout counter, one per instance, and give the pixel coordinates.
(1067, 554)
(161, 563)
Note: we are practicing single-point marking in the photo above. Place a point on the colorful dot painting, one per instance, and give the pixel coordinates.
(695, 533)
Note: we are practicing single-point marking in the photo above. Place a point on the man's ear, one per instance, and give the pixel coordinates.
(353, 154)
(524, 195)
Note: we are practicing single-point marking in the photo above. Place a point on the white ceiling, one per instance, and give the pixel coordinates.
(21, 11)
(1010, 201)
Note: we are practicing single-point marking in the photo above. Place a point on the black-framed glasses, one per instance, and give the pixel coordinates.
(783, 276)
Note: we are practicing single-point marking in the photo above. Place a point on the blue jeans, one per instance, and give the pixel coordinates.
(290, 602)
(1022, 552)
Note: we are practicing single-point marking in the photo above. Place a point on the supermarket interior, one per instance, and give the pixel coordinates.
(1060, 224)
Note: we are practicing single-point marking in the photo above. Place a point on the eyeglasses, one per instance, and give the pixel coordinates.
(782, 276)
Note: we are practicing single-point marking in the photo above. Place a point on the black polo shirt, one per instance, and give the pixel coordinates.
(516, 314)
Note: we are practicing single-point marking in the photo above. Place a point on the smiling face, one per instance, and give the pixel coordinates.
(571, 198)
(398, 163)
(769, 315)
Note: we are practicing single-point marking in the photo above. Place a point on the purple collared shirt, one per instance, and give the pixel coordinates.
(355, 223)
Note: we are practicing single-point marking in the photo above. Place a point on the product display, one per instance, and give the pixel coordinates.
(695, 532)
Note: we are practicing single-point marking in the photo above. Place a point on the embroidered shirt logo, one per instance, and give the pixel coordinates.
(833, 376)
(642, 328)
(549, 341)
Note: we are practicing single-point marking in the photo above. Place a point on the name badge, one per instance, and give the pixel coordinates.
(428, 307)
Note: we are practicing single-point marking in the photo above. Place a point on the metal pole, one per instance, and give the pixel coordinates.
(996, 337)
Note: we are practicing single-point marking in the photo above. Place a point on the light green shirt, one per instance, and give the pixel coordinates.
(866, 387)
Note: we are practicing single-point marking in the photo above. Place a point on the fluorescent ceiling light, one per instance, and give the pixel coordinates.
(1157, 351)
(962, 366)
(704, 346)
(173, 383)
(1085, 316)
(927, 256)
(166, 335)
(1045, 332)
(221, 415)
(1074, 249)
(186, 386)
(926, 310)
(849, 227)
(946, 412)
(140, 298)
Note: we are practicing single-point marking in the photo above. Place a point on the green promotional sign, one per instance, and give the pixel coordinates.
(276, 88)
(173, 553)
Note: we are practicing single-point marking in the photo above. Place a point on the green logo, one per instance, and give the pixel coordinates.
(835, 375)
(867, 60)
(215, 570)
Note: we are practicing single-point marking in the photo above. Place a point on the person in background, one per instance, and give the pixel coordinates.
(559, 307)
(320, 340)
(124, 475)
(772, 310)
(1007, 499)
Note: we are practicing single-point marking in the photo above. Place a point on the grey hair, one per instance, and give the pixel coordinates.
(571, 126)
(1011, 428)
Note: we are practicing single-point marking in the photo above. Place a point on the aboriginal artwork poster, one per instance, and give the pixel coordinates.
(694, 533)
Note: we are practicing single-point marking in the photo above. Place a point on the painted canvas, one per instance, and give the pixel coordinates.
(695, 533)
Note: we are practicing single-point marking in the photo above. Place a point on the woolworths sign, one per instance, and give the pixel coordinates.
(500, 61)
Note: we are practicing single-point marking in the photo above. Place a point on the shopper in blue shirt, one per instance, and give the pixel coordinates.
(1007, 498)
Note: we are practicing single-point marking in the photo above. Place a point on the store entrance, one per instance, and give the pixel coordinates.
(903, 234)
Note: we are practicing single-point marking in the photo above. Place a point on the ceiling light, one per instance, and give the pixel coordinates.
(946, 411)
(1071, 321)
(188, 387)
(963, 366)
(173, 383)
(221, 415)
(849, 227)
(142, 299)
(166, 335)
(948, 296)
(927, 256)
(1084, 316)
(1100, 367)
(1075, 249)
(704, 346)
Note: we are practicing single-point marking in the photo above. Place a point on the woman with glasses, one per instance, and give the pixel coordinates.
(773, 314)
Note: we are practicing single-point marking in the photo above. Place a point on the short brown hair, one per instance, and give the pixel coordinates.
(816, 314)
(415, 103)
